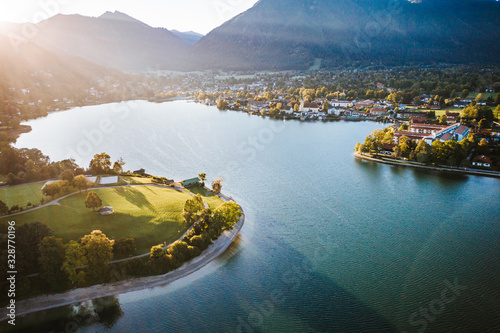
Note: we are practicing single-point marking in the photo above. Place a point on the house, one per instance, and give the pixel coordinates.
(340, 104)
(365, 104)
(410, 114)
(257, 105)
(418, 120)
(482, 161)
(446, 137)
(106, 211)
(461, 133)
(411, 135)
(140, 172)
(287, 109)
(426, 128)
(310, 107)
(378, 111)
(191, 182)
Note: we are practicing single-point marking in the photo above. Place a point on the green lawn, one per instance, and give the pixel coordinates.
(213, 201)
(22, 194)
(485, 95)
(137, 180)
(149, 214)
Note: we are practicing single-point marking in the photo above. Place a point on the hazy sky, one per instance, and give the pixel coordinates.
(196, 15)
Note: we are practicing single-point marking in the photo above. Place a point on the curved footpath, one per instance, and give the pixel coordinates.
(416, 165)
(47, 302)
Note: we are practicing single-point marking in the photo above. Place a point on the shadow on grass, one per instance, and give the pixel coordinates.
(137, 198)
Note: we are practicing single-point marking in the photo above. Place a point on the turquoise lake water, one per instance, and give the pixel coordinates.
(330, 244)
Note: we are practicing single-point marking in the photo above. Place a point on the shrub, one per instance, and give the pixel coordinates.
(14, 209)
(200, 242)
(124, 247)
(179, 250)
(134, 267)
(193, 252)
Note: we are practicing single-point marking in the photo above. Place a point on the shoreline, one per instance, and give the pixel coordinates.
(47, 302)
(491, 174)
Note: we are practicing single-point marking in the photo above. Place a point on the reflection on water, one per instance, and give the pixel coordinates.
(104, 311)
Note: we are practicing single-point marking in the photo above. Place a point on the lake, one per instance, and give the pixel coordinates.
(330, 244)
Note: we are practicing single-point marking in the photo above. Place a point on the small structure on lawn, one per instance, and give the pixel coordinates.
(106, 211)
(191, 182)
(141, 172)
(169, 181)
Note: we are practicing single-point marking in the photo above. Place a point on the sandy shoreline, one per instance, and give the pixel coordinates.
(47, 302)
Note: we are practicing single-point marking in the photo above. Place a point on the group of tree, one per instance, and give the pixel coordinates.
(61, 266)
(449, 153)
(206, 229)
(192, 209)
(217, 186)
(29, 165)
(101, 165)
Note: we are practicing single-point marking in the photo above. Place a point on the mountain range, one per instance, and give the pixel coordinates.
(287, 34)
(112, 39)
(189, 37)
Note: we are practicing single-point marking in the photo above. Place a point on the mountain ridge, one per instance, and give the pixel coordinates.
(113, 40)
(278, 34)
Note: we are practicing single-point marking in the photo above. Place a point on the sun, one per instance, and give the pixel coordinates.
(12, 11)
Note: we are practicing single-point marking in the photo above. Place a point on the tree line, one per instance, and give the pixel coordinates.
(450, 153)
(86, 261)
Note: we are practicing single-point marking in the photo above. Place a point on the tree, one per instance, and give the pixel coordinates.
(52, 189)
(222, 104)
(93, 201)
(423, 152)
(51, 261)
(99, 252)
(101, 163)
(326, 106)
(403, 149)
(479, 98)
(497, 100)
(465, 93)
(497, 112)
(124, 246)
(483, 124)
(225, 216)
(192, 207)
(179, 250)
(296, 108)
(157, 251)
(118, 166)
(81, 182)
(217, 186)
(28, 237)
(74, 258)
(443, 119)
(67, 175)
(203, 177)
(4, 209)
